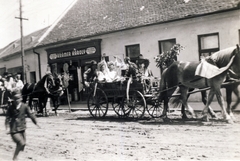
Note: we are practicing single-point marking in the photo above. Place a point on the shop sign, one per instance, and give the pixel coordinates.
(75, 52)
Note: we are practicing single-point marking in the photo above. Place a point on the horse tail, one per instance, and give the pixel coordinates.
(163, 85)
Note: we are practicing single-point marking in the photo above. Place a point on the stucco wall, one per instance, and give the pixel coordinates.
(186, 33)
(16, 61)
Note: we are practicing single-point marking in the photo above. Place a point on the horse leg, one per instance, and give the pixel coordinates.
(209, 100)
(30, 103)
(183, 112)
(184, 98)
(41, 100)
(165, 107)
(224, 111)
(229, 91)
(57, 100)
(45, 101)
(55, 104)
(229, 97)
(236, 92)
(204, 100)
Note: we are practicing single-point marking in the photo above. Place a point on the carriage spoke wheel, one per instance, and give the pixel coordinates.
(155, 109)
(135, 106)
(118, 107)
(98, 104)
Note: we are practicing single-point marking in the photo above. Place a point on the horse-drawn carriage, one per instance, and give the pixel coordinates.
(130, 98)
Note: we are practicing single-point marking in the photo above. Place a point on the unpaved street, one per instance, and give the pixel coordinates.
(77, 136)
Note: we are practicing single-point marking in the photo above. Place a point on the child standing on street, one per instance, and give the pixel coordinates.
(15, 118)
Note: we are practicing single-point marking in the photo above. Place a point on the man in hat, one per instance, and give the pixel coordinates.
(15, 118)
(19, 84)
(9, 82)
(90, 73)
(144, 72)
(143, 69)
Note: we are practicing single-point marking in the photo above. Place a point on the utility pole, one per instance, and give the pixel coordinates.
(22, 47)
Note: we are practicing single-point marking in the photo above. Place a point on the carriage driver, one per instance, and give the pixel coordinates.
(144, 72)
(90, 73)
(143, 69)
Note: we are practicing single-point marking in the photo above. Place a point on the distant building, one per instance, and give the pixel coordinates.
(129, 28)
(11, 60)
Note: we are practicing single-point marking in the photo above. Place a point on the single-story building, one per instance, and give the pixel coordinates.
(130, 28)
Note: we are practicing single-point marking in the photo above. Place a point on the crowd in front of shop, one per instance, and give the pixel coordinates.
(10, 82)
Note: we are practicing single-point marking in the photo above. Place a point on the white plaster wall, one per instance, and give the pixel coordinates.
(31, 63)
(186, 33)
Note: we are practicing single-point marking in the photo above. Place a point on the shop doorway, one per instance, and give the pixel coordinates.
(73, 81)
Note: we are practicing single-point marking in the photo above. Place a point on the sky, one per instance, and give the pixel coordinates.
(40, 14)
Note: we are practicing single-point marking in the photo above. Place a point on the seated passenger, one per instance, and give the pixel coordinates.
(112, 72)
(103, 73)
(131, 68)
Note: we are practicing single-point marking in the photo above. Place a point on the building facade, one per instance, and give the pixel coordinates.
(200, 35)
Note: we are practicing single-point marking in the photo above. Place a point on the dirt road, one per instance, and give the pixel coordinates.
(77, 136)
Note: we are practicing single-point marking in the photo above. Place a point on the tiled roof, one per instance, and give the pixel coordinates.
(29, 42)
(93, 17)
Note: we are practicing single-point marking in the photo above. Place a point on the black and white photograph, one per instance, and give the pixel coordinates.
(120, 80)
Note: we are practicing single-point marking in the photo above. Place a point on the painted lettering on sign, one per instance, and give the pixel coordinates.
(74, 52)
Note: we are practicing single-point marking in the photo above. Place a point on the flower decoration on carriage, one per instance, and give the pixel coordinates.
(166, 58)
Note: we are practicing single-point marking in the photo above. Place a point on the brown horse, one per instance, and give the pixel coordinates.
(183, 74)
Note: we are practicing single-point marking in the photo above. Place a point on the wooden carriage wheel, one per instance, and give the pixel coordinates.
(98, 103)
(154, 108)
(134, 107)
(117, 105)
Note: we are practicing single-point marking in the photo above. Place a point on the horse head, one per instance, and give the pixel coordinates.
(50, 80)
(235, 68)
(58, 85)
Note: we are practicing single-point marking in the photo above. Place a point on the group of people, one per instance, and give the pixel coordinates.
(117, 70)
(16, 111)
(10, 82)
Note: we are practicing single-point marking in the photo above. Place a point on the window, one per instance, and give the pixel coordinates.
(133, 51)
(2, 70)
(208, 44)
(166, 45)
